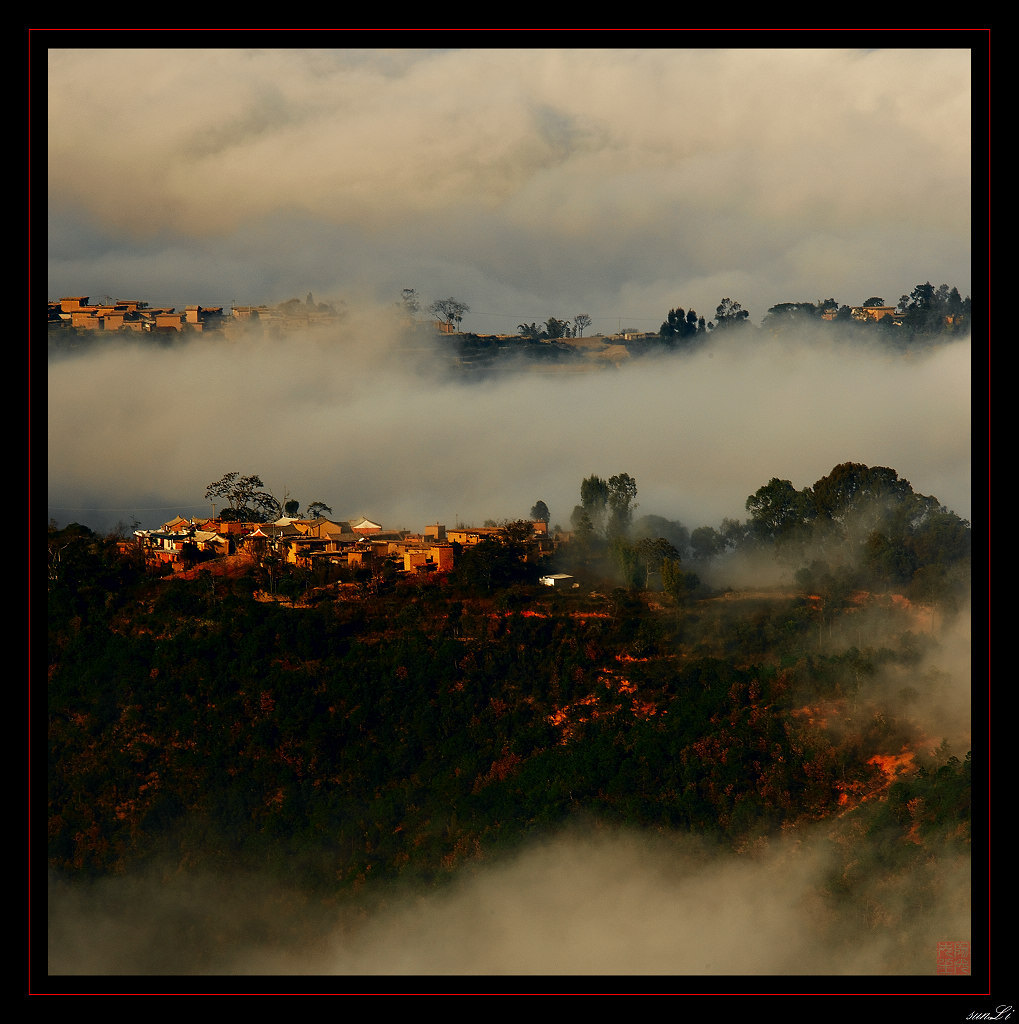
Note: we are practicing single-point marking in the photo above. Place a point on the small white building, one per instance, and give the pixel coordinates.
(557, 579)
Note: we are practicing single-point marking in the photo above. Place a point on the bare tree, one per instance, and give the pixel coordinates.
(450, 311)
(244, 497)
(581, 321)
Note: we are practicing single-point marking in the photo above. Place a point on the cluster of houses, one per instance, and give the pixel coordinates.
(78, 313)
(353, 543)
(129, 315)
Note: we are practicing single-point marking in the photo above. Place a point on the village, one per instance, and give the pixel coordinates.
(135, 315)
(320, 543)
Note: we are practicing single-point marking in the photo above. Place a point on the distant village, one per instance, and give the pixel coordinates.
(77, 313)
(555, 347)
(77, 317)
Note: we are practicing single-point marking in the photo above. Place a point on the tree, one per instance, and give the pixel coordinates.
(681, 326)
(497, 561)
(540, 513)
(827, 593)
(652, 553)
(730, 314)
(732, 534)
(189, 554)
(556, 328)
(244, 498)
(583, 527)
(787, 314)
(409, 302)
(622, 491)
(450, 311)
(676, 583)
(854, 500)
(929, 311)
(778, 511)
(317, 509)
(627, 561)
(658, 526)
(852, 488)
(594, 498)
(581, 322)
(706, 543)
(930, 586)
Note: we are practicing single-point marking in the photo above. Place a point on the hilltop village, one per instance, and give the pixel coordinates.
(75, 320)
(924, 316)
(77, 313)
(326, 546)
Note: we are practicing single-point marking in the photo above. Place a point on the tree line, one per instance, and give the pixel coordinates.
(924, 312)
(858, 528)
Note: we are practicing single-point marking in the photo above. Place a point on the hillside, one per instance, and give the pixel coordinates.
(404, 738)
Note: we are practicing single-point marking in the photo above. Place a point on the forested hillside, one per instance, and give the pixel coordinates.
(409, 732)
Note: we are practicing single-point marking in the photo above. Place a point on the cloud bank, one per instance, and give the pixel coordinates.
(136, 430)
(598, 903)
(527, 182)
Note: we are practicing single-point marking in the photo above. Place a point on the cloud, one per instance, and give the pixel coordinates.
(587, 900)
(532, 181)
(373, 428)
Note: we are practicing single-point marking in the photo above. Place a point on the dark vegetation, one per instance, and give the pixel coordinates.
(407, 730)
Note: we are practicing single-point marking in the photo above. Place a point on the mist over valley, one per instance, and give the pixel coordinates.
(138, 432)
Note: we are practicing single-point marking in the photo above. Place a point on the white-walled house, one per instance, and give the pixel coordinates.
(559, 580)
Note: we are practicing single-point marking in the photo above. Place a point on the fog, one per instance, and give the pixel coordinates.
(139, 431)
(602, 903)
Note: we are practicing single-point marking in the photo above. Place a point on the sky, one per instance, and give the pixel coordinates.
(527, 183)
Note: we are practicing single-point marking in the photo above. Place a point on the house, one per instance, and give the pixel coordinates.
(199, 318)
(872, 312)
(559, 580)
(467, 536)
(73, 304)
(214, 543)
(164, 545)
(437, 557)
(337, 532)
(168, 320)
(365, 526)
